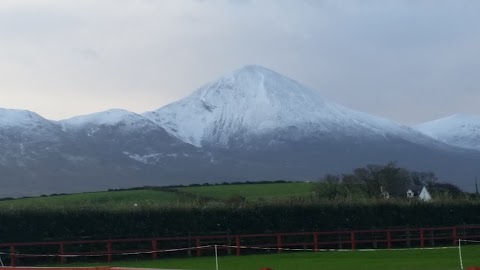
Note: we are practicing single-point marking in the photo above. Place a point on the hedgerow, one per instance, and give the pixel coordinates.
(110, 221)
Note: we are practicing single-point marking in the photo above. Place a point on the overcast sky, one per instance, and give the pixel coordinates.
(410, 61)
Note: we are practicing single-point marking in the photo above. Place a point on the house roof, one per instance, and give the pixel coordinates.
(414, 189)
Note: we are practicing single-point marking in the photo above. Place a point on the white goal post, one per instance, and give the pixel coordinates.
(463, 242)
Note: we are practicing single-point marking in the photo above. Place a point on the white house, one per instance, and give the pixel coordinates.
(421, 192)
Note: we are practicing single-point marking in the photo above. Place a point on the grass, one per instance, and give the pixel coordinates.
(252, 191)
(127, 197)
(434, 259)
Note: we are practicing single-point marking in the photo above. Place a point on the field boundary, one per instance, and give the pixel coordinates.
(56, 268)
(75, 268)
(389, 239)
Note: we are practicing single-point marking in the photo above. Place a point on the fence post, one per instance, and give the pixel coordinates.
(154, 249)
(407, 231)
(62, 252)
(279, 243)
(352, 239)
(422, 238)
(109, 251)
(198, 247)
(237, 243)
(12, 256)
(315, 242)
(389, 239)
(432, 240)
(454, 235)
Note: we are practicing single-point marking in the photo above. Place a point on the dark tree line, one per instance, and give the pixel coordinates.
(376, 181)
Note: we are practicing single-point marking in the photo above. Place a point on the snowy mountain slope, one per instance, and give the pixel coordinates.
(460, 130)
(15, 118)
(254, 101)
(252, 124)
(122, 133)
(125, 120)
(29, 141)
(27, 127)
(111, 149)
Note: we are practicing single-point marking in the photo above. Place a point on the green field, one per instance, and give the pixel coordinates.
(158, 196)
(252, 191)
(111, 198)
(436, 259)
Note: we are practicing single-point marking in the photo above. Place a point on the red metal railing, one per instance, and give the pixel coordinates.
(314, 241)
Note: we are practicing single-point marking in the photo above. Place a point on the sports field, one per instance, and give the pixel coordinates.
(418, 259)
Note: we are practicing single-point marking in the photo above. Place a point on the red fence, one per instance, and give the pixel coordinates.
(237, 244)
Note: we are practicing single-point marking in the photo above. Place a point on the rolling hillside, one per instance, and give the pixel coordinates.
(156, 196)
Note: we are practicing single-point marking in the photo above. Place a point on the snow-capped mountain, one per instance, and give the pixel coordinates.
(122, 133)
(251, 124)
(112, 117)
(272, 127)
(461, 130)
(20, 126)
(26, 136)
(254, 101)
(33, 151)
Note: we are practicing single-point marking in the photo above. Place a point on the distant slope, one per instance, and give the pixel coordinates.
(124, 134)
(111, 199)
(252, 191)
(461, 130)
(20, 126)
(148, 197)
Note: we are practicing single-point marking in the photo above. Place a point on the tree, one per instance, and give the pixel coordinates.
(373, 181)
(394, 179)
(330, 187)
(446, 189)
(427, 179)
(354, 187)
(368, 177)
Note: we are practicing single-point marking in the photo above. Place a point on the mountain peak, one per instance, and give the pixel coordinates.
(254, 84)
(249, 69)
(255, 74)
(253, 102)
(110, 117)
(249, 99)
(14, 117)
(22, 126)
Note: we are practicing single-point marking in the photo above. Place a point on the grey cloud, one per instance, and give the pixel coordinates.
(381, 57)
(33, 23)
(86, 53)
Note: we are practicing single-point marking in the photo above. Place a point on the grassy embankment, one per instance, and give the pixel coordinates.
(180, 195)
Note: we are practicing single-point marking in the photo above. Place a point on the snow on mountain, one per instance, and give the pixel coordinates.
(253, 101)
(21, 125)
(460, 130)
(20, 118)
(122, 133)
(113, 117)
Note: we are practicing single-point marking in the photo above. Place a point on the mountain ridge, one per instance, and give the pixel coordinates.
(462, 130)
(254, 100)
(251, 124)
